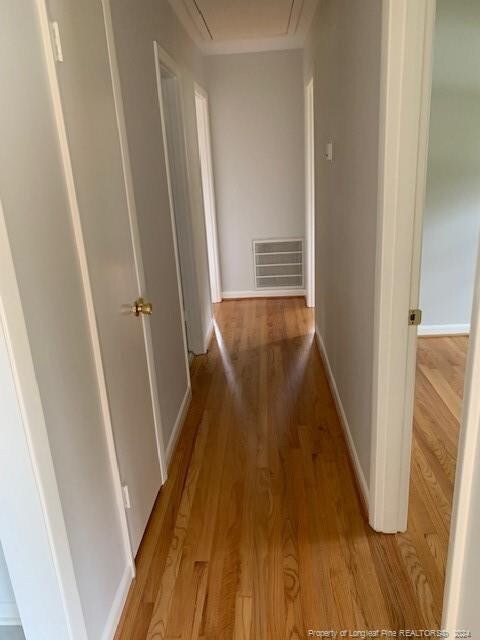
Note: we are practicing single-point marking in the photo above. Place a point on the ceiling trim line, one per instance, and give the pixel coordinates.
(200, 13)
(289, 23)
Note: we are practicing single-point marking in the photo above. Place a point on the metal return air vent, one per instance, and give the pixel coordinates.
(278, 264)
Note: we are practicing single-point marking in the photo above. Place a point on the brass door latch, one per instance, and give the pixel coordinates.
(414, 317)
(142, 307)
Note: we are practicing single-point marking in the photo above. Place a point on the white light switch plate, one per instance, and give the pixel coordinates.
(329, 151)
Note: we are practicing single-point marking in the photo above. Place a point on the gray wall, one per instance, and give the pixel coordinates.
(452, 213)
(136, 25)
(343, 48)
(257, 128)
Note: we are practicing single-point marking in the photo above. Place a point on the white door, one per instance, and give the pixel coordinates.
(98, 189)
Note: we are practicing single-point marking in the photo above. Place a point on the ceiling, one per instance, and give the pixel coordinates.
(235, 26)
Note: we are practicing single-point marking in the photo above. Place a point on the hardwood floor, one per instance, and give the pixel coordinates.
(259, 532)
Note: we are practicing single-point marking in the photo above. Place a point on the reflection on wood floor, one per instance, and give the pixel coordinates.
(259, 531)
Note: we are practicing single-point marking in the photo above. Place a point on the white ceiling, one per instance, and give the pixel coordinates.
(234, 26)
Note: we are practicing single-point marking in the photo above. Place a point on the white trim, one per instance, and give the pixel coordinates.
(309, 248)
(177, 428)
(361, 480)
(264, 293)
(407, 32)
(9, 616)
(443, 329)
(465, 474)
(208, 190)
(87, 288)
(163, 59)
(208, 335)
(135, 233)
(254, 45)
(43, 542)
(117, 605)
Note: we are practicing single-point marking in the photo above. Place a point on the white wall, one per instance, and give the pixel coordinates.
(8, 606)
(32, 190)
(343, 49)
(452, 213)
(257, 127)
(136, 26)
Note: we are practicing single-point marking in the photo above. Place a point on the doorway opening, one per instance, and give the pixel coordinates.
(309, 194)
(173, 133)
(205, 155)
(427, 188)
(444, 275)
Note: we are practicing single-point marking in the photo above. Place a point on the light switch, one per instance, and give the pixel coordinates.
(329, 151)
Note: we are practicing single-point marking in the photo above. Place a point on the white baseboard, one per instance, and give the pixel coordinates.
(263, 293)
(443, 329)
(118, 604)
(9, 616)
(343, 419)
(178, 424)
(208, 336)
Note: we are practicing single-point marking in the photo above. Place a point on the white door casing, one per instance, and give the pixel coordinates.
(407, 35)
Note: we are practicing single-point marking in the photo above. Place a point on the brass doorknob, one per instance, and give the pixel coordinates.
(142, 307)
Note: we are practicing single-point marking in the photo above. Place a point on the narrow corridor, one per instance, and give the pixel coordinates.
(259, 531)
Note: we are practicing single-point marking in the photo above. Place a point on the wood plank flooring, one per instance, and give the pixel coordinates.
(259, 532)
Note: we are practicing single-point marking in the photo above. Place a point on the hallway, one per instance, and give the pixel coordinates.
(259, 531)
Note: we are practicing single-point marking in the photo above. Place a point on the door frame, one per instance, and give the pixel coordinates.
(406, 71)
(310, 192)
(184, 223)
(32, 527)
(163, 60)
(407, 61)
(206, 164)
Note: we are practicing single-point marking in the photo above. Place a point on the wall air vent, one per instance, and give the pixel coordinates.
(278, 263)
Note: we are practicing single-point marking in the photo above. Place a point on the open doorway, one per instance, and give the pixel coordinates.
(205, 154)
(173, 131)
(447, 270)
(429, 174)
(309, 194)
